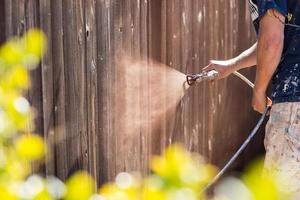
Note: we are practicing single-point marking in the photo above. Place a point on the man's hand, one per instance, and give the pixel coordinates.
(224, 68)
(260, 101)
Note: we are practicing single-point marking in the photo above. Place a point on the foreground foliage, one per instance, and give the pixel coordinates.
(176, 175)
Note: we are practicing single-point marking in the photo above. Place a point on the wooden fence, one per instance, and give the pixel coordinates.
(72, 90)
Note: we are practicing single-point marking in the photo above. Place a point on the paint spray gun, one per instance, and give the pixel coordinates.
(191, 79)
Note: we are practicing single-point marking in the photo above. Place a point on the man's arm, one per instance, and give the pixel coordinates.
(269, 51)
(246, 59)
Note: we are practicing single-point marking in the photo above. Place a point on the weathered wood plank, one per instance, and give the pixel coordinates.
(47, 83)
(132, 158)
(145, 138)
(2, 22)
(186, 63)
(8, 18)
(160, 34)
(75, 101)
(59, 93)
(92, 87)
(109, 31)
(27, 18)
(102, 30)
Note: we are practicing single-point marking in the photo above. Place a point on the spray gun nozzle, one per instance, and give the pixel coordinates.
(191, 79)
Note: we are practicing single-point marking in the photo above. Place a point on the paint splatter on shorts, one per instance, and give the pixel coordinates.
(282, 144)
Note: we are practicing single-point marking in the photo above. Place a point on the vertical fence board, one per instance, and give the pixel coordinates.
(145, 147)
(2, 22)
(92, 86)
(59, 93)
(8, 18)
(28, 17)
(47, 83)
(75, 108)
(104, 126)
(117, 30)
(157, 140)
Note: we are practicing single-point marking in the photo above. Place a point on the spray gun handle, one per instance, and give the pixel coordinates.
(212, 74)
(206, 76)
(197, 78)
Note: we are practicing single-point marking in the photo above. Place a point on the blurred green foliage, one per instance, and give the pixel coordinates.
(176, 175)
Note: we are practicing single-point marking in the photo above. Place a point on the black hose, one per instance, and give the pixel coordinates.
(239, 151)
(247, 141)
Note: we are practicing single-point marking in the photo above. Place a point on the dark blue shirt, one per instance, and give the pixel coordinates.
(286, 80)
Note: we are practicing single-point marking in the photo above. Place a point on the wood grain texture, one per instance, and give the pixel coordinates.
(2, 22)
(59, 90)
(75, 83)
(92, 87)
(74, 90)
(47, 86)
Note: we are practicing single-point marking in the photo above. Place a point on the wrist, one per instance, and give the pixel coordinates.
(259, 89)
(234, 64)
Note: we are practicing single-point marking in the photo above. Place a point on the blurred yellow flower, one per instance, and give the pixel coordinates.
(11, 53)
(30, 147)
(79, 187)
(262, 187)
(35, 42)
(153, 188)
(18, 79)
(43, 195)
(126, 186)
(35, 45)
(16, 170)
(6, 194)
(179, 168)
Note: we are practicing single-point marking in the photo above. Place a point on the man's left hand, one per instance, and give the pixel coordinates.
(260, 101)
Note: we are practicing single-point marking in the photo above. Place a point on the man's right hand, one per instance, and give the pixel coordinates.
(224, 68)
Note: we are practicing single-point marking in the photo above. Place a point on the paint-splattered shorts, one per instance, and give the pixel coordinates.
(282, 143)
